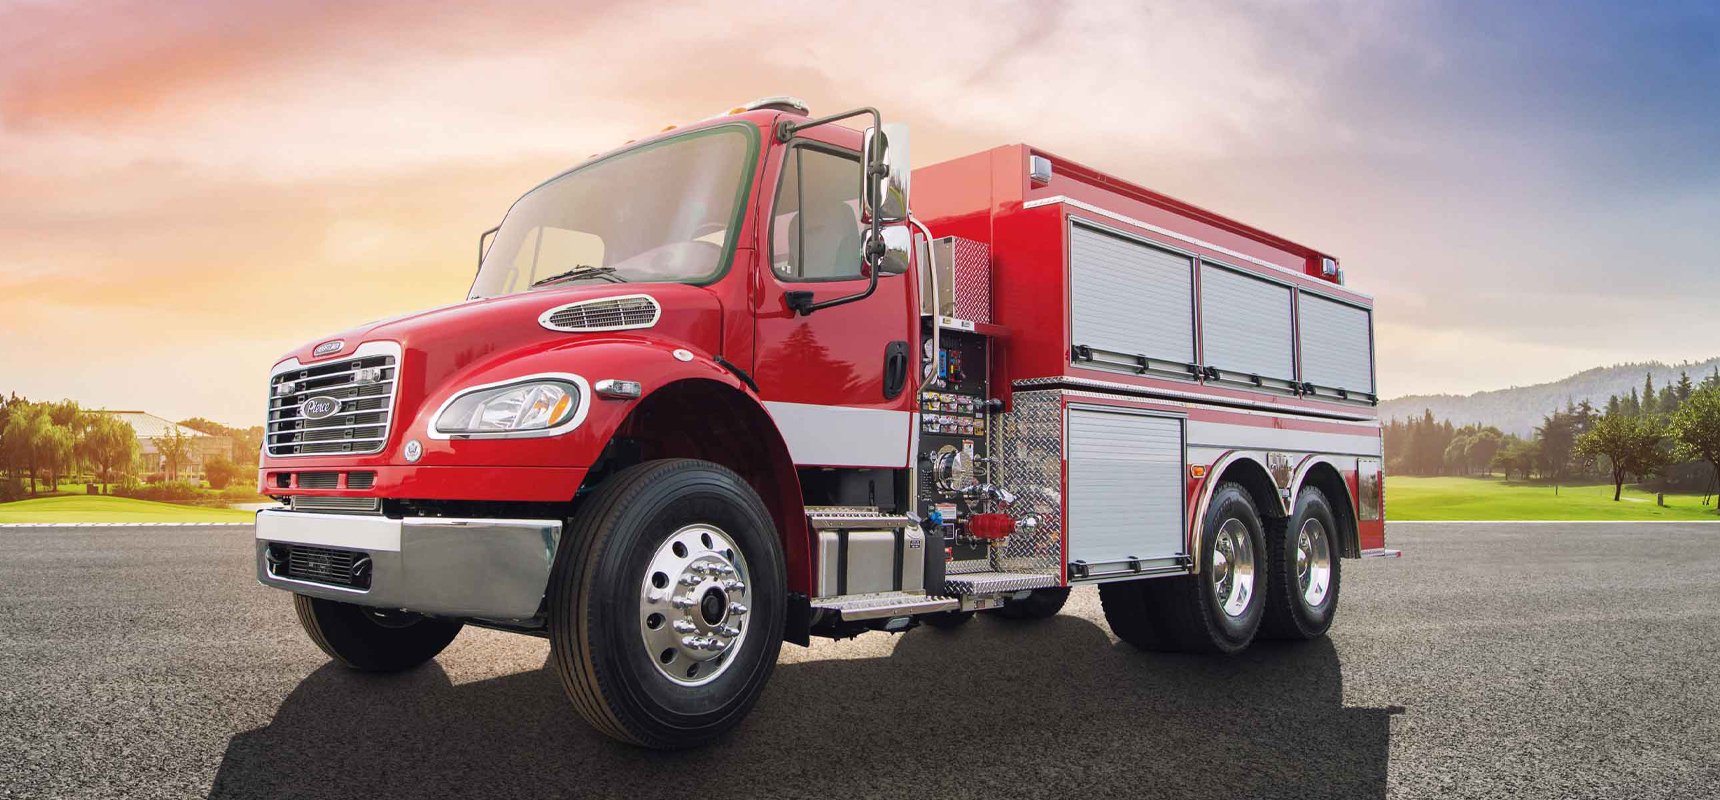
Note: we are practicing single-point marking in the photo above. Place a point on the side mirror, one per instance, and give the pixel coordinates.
(885, 153)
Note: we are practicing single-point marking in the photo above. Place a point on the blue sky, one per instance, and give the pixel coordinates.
(1528, 189)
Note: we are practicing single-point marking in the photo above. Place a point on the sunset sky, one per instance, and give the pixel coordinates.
(189, 189)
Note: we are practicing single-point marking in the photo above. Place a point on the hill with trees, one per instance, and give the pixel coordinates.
(1520, 409)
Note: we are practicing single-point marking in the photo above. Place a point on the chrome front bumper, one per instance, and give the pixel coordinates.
(494, 569)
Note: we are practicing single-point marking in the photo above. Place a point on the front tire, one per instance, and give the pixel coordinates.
(372, 640)
(667, 603)
(1217, 610)
(1303, 557)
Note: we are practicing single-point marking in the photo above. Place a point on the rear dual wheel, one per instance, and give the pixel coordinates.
(1303, 589)
(1217, 610)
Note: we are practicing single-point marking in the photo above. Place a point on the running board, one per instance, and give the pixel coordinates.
(1381, 552)
(884, 604)
(972, 583)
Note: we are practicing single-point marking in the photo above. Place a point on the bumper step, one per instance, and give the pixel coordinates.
(972, 583)
(885, 604)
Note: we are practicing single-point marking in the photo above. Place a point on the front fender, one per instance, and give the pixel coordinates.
(650, 363)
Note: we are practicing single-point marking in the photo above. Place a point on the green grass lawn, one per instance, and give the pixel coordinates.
(95, 508)
(1410, 499)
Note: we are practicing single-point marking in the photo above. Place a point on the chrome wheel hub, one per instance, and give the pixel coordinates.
(1233, 567)
(693, 604)
(1313, 562)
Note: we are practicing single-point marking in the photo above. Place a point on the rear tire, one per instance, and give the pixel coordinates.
(1303, 558)
(947, 620)
(667, 603)
(1217, 610)
(371, 639)
(1040, 604)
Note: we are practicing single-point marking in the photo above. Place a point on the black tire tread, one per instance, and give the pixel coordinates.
(1281, 621)
(1169, 614)
(347, 637)
(1041, 604)
(572, 587)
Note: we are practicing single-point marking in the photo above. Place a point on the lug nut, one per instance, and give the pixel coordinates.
(683, 626)
(729, 631)
(683, 601)
(734, 586)
(737, 609)
(690, 580)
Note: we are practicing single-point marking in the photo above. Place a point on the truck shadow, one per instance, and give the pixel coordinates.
(993, 710)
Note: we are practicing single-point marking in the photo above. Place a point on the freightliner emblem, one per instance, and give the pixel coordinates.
(327, 347)
(319, 407)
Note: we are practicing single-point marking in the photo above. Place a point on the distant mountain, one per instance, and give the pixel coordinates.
(1520, 408)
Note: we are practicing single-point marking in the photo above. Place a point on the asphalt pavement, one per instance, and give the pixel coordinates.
(1557, 661)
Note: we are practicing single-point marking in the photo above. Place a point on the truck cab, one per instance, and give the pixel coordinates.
(719, 389)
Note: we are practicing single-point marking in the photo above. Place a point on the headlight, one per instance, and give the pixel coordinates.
(520, 407)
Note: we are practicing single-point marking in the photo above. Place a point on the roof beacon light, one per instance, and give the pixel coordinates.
(1039, 170)
(781, 102)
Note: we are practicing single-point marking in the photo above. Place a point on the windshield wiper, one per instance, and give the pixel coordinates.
(581, 271)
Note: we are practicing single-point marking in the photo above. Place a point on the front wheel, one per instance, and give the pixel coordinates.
(667, 603)
(371, 639)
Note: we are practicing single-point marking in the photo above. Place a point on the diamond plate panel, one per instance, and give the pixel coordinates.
(1028, 444)
(972, 279)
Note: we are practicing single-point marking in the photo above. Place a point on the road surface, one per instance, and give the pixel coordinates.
(1554, 661)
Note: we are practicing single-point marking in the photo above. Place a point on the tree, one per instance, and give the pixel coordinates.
(175, 447)
(1650, 401)
(1696, 428)
(1631, 445)
(26, 428)
(1483, 446)
(57, 453)
(109, 444)
(220, 471)
(1557, 435)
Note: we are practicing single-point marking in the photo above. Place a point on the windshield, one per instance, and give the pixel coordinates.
(662, 212)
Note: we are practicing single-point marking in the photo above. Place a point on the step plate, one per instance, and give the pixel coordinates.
(972, 583)
(885, 604)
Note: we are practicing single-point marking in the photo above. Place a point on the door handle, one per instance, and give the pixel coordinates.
(895, 369)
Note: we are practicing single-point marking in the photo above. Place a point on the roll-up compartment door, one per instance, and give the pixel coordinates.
(1126, 491)
(1337, 344)
(1245, 324)
(1129, 297)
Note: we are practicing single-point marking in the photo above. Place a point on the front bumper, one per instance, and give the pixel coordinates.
(493, 569)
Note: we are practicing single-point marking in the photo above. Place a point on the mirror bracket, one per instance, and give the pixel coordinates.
(799, 301)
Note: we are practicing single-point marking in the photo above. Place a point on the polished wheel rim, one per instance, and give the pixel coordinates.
(1233, 567)
(1313, 562)
(693, 604)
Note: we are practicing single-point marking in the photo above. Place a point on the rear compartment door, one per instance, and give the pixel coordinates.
(1126, 492)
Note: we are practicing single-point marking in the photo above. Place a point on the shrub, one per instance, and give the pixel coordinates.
(220, 472)
(181, 492)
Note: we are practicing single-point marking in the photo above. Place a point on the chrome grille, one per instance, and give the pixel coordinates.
(604, 314)
(363, 505)
(360, 480)
(365, 387)
(323, 565)
(318, 480)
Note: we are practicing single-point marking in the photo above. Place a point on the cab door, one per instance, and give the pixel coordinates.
(840, 381)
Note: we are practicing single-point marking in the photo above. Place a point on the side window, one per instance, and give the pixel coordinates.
(815, 235)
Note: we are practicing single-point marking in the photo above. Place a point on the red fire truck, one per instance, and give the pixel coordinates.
(719, 389)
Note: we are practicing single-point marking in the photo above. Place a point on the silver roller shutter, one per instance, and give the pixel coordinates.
(1125, 486)
(1337, 344)
(1245, 324)
(1129, 297)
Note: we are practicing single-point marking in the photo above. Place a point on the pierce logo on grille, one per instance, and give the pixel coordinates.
(328, 347)
(320, 407)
